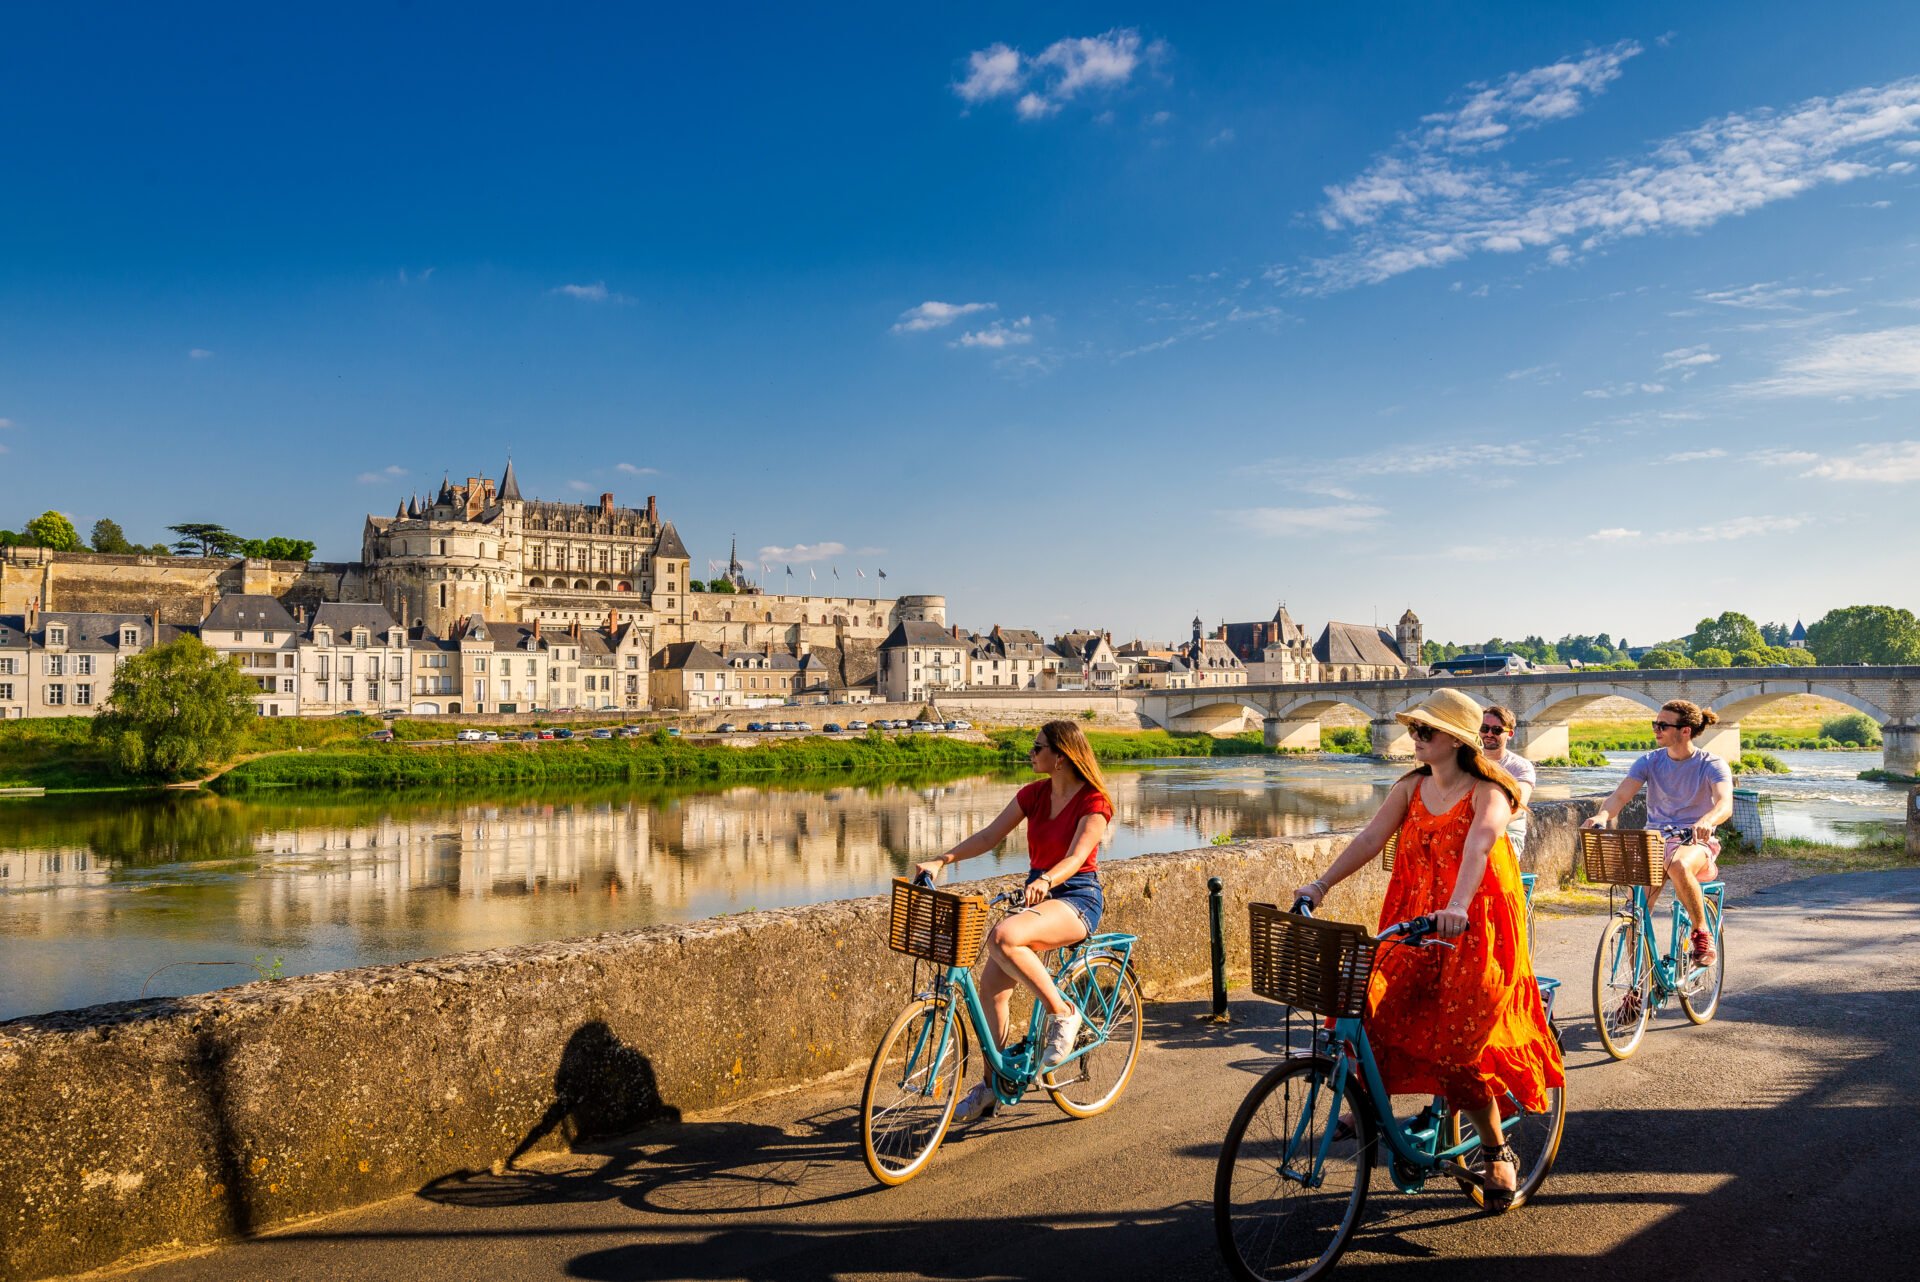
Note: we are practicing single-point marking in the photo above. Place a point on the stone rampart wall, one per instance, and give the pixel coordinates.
(187, 1120)
(182, 588)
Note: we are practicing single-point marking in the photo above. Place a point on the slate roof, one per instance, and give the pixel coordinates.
(670, 544)
(97, 633)
(344, 617)
(1356, 643)
(689, 655)
(248, 612)
(510, 484)
(918, 632)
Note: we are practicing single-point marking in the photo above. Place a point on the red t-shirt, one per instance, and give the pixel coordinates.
(1049, 836)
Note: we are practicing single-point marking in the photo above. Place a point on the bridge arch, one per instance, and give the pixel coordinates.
(1210, 714)
(1564, 704)
(1745, 700)
(1309, 707)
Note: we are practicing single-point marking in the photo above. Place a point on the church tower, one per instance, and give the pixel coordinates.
(1408, 636)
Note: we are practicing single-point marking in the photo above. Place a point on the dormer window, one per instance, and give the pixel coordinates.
(323, 637)
(130, 636)
(56, 635)
(360, 638)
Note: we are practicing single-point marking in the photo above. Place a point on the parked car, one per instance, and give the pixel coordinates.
(603, 733)
(543, 734)
(489, 736)
(856, 725)
(756, 727)
(381, 736)
(529, 734)
(349, 712)
(726, 727)
(468, 736)
(563, 733)
(628, 732)
(391, 713)
(922, 727)
(674, 731)
(830, 728)
(959, 725)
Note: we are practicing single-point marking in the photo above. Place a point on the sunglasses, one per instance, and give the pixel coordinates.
(1039, 745)
(1492, 732)
(1658, 726)
(1423, 733)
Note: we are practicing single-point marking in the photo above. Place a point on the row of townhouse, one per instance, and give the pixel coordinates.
(920, 661)
(343, 658)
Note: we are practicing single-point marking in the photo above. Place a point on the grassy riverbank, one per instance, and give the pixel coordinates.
(58, 753)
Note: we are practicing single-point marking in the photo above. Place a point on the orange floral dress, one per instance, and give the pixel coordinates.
(1465, 1023)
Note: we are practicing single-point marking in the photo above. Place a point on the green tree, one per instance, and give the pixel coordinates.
(174, 710)
(278, 548)
(1732, 632)
(1797, 658)
(1713, 657)
(203, 538)
(723, 586)
(696, 585)
(1855, 728)
(53, 530)
(1866, 634)
(109, 537)
(12, 539)
(1667, 656)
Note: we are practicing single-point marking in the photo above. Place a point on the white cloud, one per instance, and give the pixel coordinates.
(1548, 373)
(998, 334)
(420, 279)
(384, 475)
(1419, 205)
(631, 470)
(6, 422)
(1614, 390)
(1739, 527)
(1896, 463)
(594, 293)
(199, 354)
(1784, 458)
(1694, 456)
(933, 315)
(1061, 72)
(1768, 296)
(580, 487)
(1617, 534)
(1688, 358)
(1346, 518)
(803, 552)
(991, 72)
(1222, 139)
(1884, 362)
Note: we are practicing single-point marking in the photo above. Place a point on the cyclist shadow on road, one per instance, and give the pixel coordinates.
(605, 1093)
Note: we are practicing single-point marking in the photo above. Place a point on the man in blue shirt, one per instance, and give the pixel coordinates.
(1687, 788)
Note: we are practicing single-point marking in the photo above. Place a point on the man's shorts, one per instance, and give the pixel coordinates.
(1712, 846)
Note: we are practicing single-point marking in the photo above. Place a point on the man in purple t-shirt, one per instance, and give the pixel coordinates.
(1687, 788)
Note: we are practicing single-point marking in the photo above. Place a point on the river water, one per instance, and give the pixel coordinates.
(96, 894)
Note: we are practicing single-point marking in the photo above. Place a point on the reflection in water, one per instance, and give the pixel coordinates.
(95, 893)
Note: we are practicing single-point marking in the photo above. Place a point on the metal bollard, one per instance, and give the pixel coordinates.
(1913, 822)
(1216, 924)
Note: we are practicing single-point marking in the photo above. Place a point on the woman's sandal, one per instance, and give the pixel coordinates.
(1497, 1199)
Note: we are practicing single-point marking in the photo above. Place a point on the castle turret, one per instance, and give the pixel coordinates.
(1407, 635)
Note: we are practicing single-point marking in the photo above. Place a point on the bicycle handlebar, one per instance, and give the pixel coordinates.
(1414, 932)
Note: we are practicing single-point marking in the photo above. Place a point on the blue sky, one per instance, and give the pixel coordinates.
(1098, 316)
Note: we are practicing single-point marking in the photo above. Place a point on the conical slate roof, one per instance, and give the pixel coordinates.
(670, 544)
(510, 484)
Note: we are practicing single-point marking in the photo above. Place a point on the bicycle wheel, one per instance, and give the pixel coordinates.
(1535, 1138)
(1700, 989)
(1622, 987)
(1271, 1226)
(1103, 989)
(909, 1097)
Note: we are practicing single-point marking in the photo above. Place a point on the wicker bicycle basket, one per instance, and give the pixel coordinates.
(1321, 966)
(938, 925)
(1629, 857)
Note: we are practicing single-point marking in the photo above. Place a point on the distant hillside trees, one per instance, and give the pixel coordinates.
(203, 538)
(1866, 634)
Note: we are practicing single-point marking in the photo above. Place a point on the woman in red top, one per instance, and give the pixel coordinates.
(1066, 814)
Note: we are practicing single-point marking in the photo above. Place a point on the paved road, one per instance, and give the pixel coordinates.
(1780, 1142)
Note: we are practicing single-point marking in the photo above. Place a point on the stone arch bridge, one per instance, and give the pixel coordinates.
(1545, 702)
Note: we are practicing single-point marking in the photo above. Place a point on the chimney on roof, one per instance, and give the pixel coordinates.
(156, 626)
(606, 504)
(613, 621)
(573, 629)
(653, 512)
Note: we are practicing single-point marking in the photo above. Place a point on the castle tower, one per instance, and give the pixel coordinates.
(1407, 634)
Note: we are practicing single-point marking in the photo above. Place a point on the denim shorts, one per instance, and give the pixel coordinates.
(1080, 892)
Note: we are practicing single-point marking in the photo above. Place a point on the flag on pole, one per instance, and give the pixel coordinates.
(813, 574)
(857, 570)
(836, 571)
(789, 572)
(882, 573)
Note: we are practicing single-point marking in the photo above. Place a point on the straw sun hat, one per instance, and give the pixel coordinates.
(1451, 713)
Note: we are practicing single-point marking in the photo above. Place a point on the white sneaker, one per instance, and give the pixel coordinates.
(978, 1102)
(1061, 1032)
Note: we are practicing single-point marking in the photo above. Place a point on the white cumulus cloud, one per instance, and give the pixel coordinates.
(385, 474)
(631, 470)
(597, 292)
(199, 354)
(999, 334)
(1040, 85)
(935, 315)
(1895, 463)
(1688, 358)
(803, 552)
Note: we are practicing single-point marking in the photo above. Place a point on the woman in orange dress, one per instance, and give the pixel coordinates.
(1465, 1023)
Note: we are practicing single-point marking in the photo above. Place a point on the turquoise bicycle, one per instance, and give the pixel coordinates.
(1292, 1180)
(1632, 978)
(922, 1065)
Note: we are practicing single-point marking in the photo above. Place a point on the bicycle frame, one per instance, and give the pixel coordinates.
(1666, 975)
(1414, 1145)
(1017, 1067)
